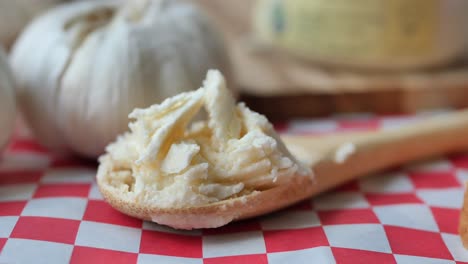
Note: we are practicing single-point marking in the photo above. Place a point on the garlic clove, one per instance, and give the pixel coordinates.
(7, 100)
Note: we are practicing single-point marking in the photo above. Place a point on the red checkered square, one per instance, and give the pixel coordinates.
(26, 145)
(154, 242)
(359, 125)
(286, 240)
(356, 256)
(235, 227)
(434, 179)
(97, 256)
(376, 199)
(351, 216)
(11, 208)
(2, 244)
(100, 211)
(413, 242)
(257, 259)
(447, 219)
(47, 229)
(63, 190)
(15, 177)
(460, 161)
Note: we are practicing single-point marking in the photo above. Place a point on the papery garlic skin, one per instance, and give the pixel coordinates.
(83, 67)
(7, 100)
(16, 14)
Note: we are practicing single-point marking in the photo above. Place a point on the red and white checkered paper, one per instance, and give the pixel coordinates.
(52, 212)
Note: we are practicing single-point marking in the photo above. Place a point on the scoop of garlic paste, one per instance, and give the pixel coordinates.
(169, 160)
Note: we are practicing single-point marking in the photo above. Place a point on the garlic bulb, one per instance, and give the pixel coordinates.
(7, 101)
(15, 15)
(83, 67)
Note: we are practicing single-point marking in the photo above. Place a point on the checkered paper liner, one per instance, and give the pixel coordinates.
(51, 211)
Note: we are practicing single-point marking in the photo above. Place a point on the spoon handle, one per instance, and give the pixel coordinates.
(374, 151)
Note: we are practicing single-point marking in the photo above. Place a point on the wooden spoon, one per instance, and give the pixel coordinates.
(373, 151)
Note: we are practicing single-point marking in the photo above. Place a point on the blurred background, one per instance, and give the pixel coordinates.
(315, 57)
(286, 58)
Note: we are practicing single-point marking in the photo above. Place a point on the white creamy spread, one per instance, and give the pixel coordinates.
(169, 160)
(344, 151)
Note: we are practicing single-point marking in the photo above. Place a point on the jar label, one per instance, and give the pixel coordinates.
(358, 28)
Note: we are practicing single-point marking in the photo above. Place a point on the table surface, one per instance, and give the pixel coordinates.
(51, 211)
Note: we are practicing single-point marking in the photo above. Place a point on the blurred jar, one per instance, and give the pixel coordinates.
(366, 34)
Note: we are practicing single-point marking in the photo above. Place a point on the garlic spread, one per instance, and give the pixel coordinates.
(169, 160)
(344, 151)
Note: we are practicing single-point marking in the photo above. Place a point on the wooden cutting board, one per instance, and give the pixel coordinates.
(280, 86)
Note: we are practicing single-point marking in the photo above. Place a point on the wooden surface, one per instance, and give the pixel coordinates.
(283, 87)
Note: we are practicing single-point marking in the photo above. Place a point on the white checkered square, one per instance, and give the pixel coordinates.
(448, 198)
(390, 123)
(15, 192)
(344, 200)
(462, 175)
(312, 126)
(151, 259)
(106, 236)
(233, 244)
(397, 182)
(68, 208)
(290, 220)
(7, 223)
(407, 215)
(370, 237)
(322, 255)
(405, 259)
(455, 246)
(24, 162)
(67, 175)
(94, 193)
(33, 251)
